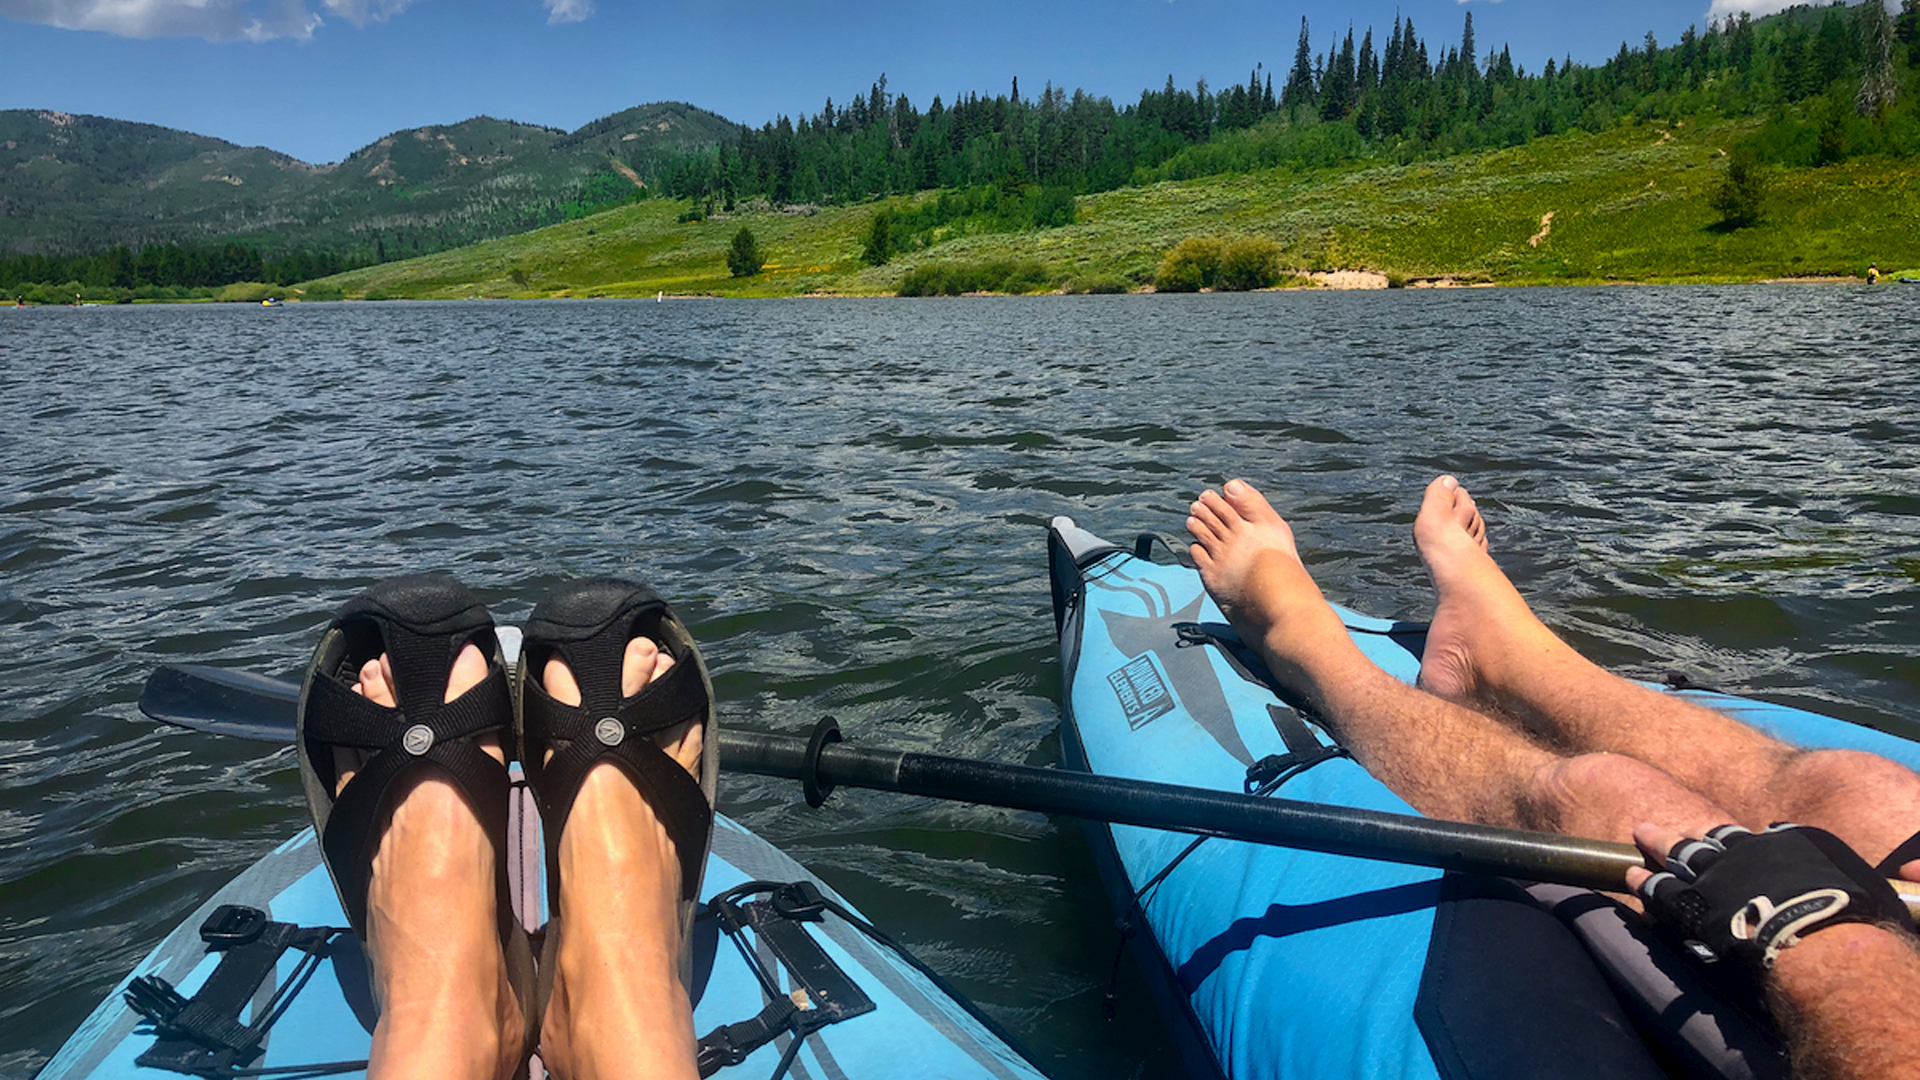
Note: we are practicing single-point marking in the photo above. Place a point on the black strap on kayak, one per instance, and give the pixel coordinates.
(824, 994)
(202, 1035)
(1143, 548)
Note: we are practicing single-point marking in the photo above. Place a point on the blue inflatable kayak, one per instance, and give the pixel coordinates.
(777, 953)
(1305, 965)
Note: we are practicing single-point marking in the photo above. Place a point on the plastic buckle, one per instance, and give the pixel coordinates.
(717, 1052)
(1187, 635)
(231, 925)
(800, 900)
(1263, 771)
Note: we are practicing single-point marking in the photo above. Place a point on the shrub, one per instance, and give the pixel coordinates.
(956, 279)
(1050, 207)
(247, 292)
(1742, 195)
(744, 258)
(1091, 284)
(879, 246)
(1250, 262)
(1192, 265)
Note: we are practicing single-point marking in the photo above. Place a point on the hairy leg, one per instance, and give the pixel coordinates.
(618, 1008)
(1487, 650)
(1446, 760)
(447, 1007)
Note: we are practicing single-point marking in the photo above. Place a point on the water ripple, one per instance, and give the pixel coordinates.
(847, 500)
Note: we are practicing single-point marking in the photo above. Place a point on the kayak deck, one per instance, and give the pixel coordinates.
(917, 1028)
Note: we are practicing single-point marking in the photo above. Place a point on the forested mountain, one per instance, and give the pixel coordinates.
(80, 184)
(1831, 82)
(1393, 96)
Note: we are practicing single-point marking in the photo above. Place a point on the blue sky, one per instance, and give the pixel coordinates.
(320, 78)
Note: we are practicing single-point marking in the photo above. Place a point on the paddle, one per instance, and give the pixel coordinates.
(258, 707)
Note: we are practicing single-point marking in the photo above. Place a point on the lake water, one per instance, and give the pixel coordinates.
(847, 501)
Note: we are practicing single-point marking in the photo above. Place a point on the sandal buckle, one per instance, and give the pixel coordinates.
(609, 731)
(417, 740)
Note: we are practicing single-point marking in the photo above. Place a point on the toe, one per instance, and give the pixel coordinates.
(1200, 529)
(1247, 501)
(641, 665)
(1202, 558)
(469, 671)
(557, 679)
(1207, 513)
(1214, 506)
(376, 682)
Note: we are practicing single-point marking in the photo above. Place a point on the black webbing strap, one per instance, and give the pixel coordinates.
(1304, 751)
(202, 1035)
(731, 1044)
(824, 994)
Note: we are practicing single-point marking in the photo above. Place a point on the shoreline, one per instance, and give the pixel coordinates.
(1304, 281)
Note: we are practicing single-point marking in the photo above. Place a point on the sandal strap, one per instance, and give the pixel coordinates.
(607, 726)
(424, 732)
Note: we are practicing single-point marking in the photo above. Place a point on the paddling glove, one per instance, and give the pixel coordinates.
(1742, 896)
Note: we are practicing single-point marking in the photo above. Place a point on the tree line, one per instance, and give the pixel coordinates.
(1398, 96)
(1834, 81)
(171, 267)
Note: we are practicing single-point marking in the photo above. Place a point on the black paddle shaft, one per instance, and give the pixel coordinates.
(253, 706)
(1336, 830)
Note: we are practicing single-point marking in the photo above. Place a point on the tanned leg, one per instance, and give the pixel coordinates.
(447, 1007)
(1488, 651)
(1446, 760)
(618, 1008)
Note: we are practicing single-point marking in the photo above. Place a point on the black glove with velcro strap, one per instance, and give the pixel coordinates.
(1744, 896)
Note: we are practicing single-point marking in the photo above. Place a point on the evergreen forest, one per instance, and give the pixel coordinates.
(1813, 86)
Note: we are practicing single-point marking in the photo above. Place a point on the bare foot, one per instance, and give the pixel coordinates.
(1252, 569)
(1481, 622)
(618, 1007)
(432, 924)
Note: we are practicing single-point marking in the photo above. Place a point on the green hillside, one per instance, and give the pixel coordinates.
(78, 184)
(1632, 204)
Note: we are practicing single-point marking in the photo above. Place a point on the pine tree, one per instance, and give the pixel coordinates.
(1299, 89)
(879, 246)
(744, 258)
(1742, 194)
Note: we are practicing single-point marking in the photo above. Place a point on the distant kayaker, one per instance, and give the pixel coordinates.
(1508, 725)
(1873, 273)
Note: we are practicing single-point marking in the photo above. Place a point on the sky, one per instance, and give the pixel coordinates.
(318, 79)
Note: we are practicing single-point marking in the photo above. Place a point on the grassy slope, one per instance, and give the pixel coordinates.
(1631, 204)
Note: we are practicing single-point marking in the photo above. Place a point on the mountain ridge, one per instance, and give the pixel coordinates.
(72, 183)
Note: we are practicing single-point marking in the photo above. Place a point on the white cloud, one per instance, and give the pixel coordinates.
(566, 11)
(214, 20)
(362, 12)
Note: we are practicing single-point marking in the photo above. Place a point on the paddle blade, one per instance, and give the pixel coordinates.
(223, 701)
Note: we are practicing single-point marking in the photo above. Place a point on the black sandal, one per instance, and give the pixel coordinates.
(421, 622)
(587, 624)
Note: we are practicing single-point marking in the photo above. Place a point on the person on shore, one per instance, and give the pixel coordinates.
(1509, 726)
